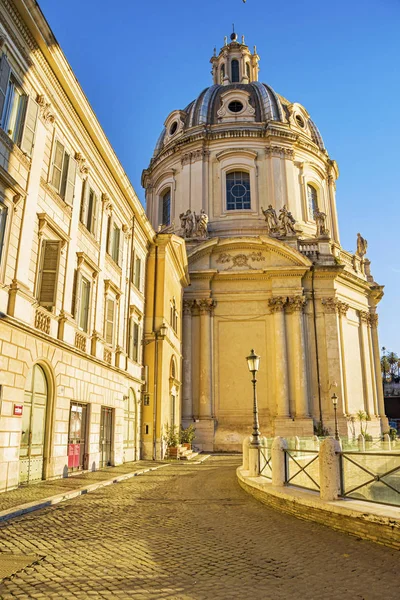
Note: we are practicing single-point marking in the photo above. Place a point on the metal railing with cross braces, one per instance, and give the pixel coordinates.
(376, 481)
(307, 478)
(265, 463)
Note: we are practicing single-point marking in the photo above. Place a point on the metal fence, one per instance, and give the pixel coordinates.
(265, 463)
(371, 476)
(302, 468)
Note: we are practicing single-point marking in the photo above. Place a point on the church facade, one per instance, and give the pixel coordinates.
(242, 174)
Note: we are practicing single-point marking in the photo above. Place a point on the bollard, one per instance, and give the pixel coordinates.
(329, 469)
(278, 455)
(254, 461)
(246, 444)
(387, 442)
(361, 443)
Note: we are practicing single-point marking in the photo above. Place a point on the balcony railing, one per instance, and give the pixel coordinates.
(42, 320)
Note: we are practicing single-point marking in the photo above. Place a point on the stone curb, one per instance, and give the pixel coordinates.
(374, 522)
(23, 509)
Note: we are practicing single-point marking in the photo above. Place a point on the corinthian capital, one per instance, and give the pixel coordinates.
(295, 303)
(206, 305)
(276, 303)
(188, 306)
(342, 308)
(364, 316)
(330, 304)
(373, 320)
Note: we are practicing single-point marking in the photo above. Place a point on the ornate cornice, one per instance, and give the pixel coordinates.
(280, 152)
(82, 165)
(194, 156)
(46, 113)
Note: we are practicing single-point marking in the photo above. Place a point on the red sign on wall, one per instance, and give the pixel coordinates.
(18, 410)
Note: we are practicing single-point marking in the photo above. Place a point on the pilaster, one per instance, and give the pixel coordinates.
(276, 305)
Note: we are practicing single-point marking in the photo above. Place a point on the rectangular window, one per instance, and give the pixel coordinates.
(238, 191)
(115, 242)
(18, 112)
(134, 341)
(89, 208)
(63, 173)
(137, 272)
(83, 321)
(3, 223)
(110, 315)
(48, 273)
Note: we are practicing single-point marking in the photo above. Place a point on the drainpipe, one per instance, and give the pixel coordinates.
(155, 356)
(128, 320)
(316, 345)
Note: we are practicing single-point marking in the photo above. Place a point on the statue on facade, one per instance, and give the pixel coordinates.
(201, 224)
(271, 220)
(287, 222)
(187, 223)
(362, 246)
(320, 219)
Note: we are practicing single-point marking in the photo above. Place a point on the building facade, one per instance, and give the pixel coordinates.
(74, 242)
(243, 175)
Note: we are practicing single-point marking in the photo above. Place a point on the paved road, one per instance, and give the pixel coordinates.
(189, 532)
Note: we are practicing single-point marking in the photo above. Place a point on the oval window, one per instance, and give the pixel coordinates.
(173, 128)
(299, 121)
(235, 106)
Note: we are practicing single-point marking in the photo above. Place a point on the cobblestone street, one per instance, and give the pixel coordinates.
(188, 532)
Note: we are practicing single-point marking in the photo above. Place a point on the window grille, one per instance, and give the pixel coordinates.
(238, 191)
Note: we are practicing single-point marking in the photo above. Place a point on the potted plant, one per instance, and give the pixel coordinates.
(171, 437)
(187, 436)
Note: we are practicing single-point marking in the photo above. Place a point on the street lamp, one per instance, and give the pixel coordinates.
(253, 362)
(334, 402)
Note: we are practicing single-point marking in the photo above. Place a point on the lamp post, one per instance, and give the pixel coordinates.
(334, 402)
(253, 362)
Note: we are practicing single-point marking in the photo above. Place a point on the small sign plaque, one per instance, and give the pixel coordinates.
(18, 410)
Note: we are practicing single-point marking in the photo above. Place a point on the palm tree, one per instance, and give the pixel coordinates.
(385, 367)
(393, 359)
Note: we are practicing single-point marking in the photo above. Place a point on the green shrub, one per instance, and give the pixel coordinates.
(187, 435)
(171, 436)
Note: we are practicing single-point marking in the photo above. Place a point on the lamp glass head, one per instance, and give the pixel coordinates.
(253, 362)
(334, 400)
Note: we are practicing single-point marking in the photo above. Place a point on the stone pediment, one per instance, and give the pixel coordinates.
(245, 254)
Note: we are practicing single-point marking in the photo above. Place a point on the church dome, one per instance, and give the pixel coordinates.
(236, 97)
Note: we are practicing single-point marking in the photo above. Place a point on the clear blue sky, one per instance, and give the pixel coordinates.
(137, 61)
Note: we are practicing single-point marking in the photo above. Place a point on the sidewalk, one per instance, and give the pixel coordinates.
(46, 493)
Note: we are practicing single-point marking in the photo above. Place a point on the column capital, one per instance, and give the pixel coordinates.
(188, 306)
(295, 303)
(342, 308)
(330, 304)
(364, 316)
(205, 305)
(373, 320)
(276, 303)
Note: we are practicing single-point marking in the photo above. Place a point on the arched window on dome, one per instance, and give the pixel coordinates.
(235, 71)
(238, 190)
(312, 201)
(166, 208)
(222, 74)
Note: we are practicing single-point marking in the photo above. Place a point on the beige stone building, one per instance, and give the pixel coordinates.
(243, 175)
(74, 243)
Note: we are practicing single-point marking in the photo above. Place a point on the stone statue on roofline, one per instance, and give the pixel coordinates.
(201, 224)
(320, 218)
(271, 220)
(362, 246)
(187, 223)
(287, 222)
(194, 226)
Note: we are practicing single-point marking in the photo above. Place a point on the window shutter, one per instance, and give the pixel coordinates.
(48, 273)
(29, 129)
(3, 222)
(57, 165)
(84, 202)
(5, 71)
(141, 283)
(84, 304)
(121, 238)
(135, 342)
(94, 215)
(75, 292)
(110, 321)
(109, 235)
(130, 340)
(70, 182)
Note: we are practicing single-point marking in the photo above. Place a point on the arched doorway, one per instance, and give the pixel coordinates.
(33, 436)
